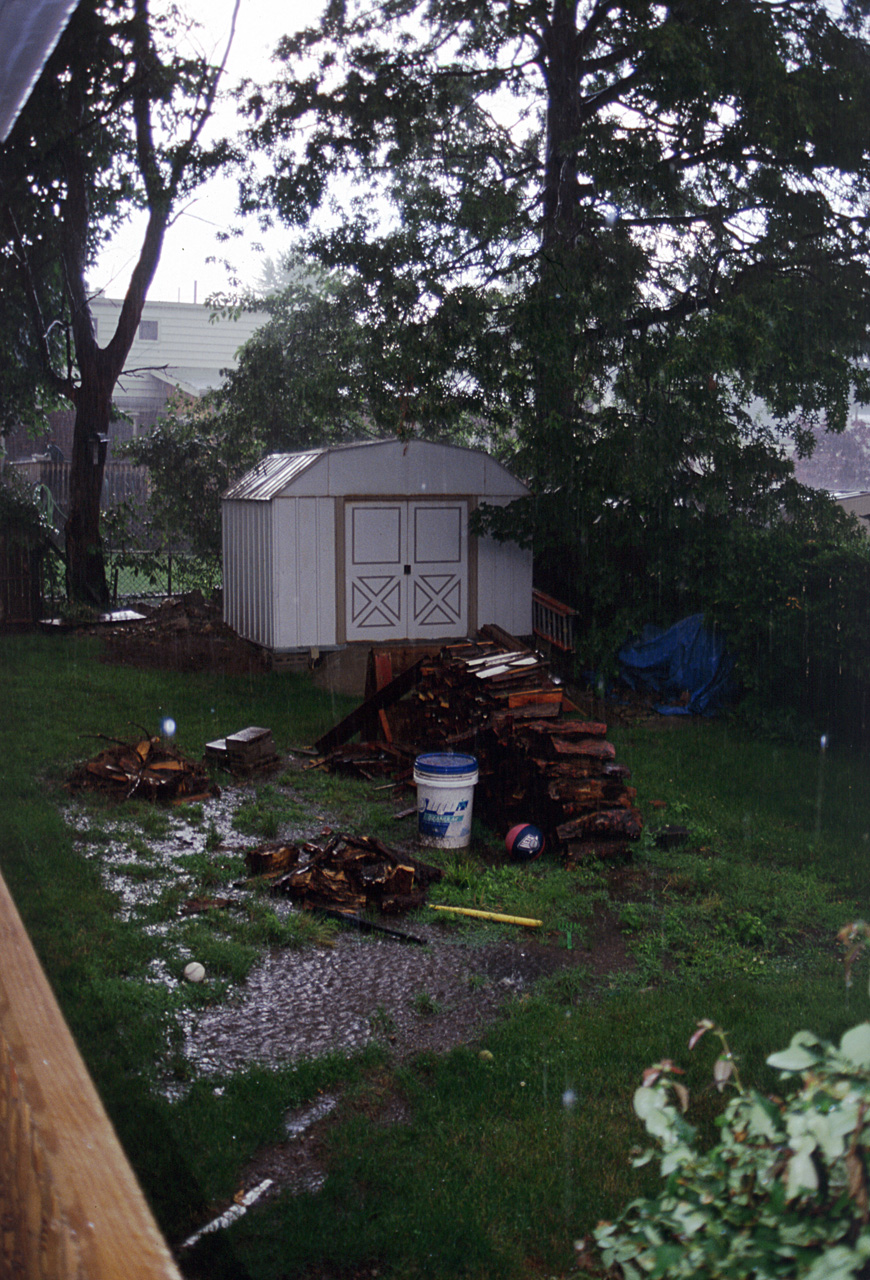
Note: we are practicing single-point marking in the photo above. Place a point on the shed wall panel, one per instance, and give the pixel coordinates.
(304, 565)
(316, 556)
(286, 573)
(504, 586)
(248, 570)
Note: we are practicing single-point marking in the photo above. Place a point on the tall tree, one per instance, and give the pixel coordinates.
(115, 123)
(300, 383)
(617, 229)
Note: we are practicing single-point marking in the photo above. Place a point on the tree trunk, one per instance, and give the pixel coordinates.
(85, 568)
(561, 75)
(559, 283)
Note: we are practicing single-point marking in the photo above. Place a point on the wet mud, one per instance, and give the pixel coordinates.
(299, 1004)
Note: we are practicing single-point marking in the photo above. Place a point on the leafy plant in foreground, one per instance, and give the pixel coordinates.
(783, 1193)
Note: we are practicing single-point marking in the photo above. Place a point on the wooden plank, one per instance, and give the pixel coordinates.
(595, 748)
(385, 725)
(502, 638)
(619, 823)
(367, 711)
(572, 729)
(71, 1204)
(530, 697)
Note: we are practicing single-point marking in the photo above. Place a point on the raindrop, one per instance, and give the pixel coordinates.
(820, 790)
(167, 727)
(569, 1098)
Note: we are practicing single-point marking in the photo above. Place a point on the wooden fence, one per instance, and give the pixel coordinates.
(20, 581)
(122, 481)
(70, 1206)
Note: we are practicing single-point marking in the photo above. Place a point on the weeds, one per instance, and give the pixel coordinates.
(425, 1005)
(382, 1023)
(268, 813)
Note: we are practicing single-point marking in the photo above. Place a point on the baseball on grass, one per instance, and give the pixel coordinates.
(194, 972)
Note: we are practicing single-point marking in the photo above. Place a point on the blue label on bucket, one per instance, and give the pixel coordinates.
(436, 821)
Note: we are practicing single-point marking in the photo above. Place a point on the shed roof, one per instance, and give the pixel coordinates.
(272, 474)
(363, 467)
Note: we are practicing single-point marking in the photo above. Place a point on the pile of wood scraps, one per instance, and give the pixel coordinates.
(369, 760)
(581, 790)
(538, 762)
(348, 874)
(471, 688)
(150, 769)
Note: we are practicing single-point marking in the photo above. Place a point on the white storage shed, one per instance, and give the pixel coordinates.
(369, 543)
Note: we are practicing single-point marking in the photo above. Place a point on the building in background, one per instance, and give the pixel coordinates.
(181, 348)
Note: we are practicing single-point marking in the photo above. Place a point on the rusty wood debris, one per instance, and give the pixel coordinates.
(349, 874)
(494, 697)
(369, 760)
(197, 906)
(149, 769)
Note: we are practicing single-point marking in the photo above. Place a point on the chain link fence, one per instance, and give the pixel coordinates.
(136, 567)
(149, 575)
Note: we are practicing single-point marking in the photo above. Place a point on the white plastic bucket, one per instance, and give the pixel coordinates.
(445, 794)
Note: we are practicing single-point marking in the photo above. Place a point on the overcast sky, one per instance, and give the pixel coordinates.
(191, 240)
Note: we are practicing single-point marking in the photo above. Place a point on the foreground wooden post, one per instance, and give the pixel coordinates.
(70, 1207)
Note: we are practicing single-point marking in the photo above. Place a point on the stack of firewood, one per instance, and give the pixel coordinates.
(536, 764)
(495, 698)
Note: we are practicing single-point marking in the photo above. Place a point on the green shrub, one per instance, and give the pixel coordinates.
(782, 1193)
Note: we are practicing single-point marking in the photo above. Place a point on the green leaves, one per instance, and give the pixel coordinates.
(604, 236)
(783, 1193)
(855, 1045)
(800, 1055)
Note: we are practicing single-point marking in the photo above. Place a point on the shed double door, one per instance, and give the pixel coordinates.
(406, 569)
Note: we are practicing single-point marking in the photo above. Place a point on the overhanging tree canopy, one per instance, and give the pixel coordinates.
(115, 123)
(616, 230)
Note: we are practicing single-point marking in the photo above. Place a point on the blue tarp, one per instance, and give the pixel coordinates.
(686, 659)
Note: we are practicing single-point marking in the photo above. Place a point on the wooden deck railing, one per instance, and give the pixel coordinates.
(70, 1207)
(553, 622)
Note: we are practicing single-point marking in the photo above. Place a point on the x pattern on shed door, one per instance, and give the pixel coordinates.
(406, 570)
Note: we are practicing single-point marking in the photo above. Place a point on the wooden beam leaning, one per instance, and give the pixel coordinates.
(367, 711)
(70, 1206)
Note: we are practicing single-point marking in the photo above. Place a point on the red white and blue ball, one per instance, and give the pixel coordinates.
(524, 842)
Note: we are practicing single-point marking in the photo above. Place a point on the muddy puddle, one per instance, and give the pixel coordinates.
(295, 1002)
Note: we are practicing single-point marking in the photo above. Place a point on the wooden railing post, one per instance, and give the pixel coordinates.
(70, 1206)
(553, 622)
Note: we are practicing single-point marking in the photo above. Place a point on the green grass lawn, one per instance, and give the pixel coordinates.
(501, 1161)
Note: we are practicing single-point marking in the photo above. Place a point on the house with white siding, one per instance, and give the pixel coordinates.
(179, 347)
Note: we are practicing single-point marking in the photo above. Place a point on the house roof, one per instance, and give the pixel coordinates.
(194, 382)
(29, 30)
